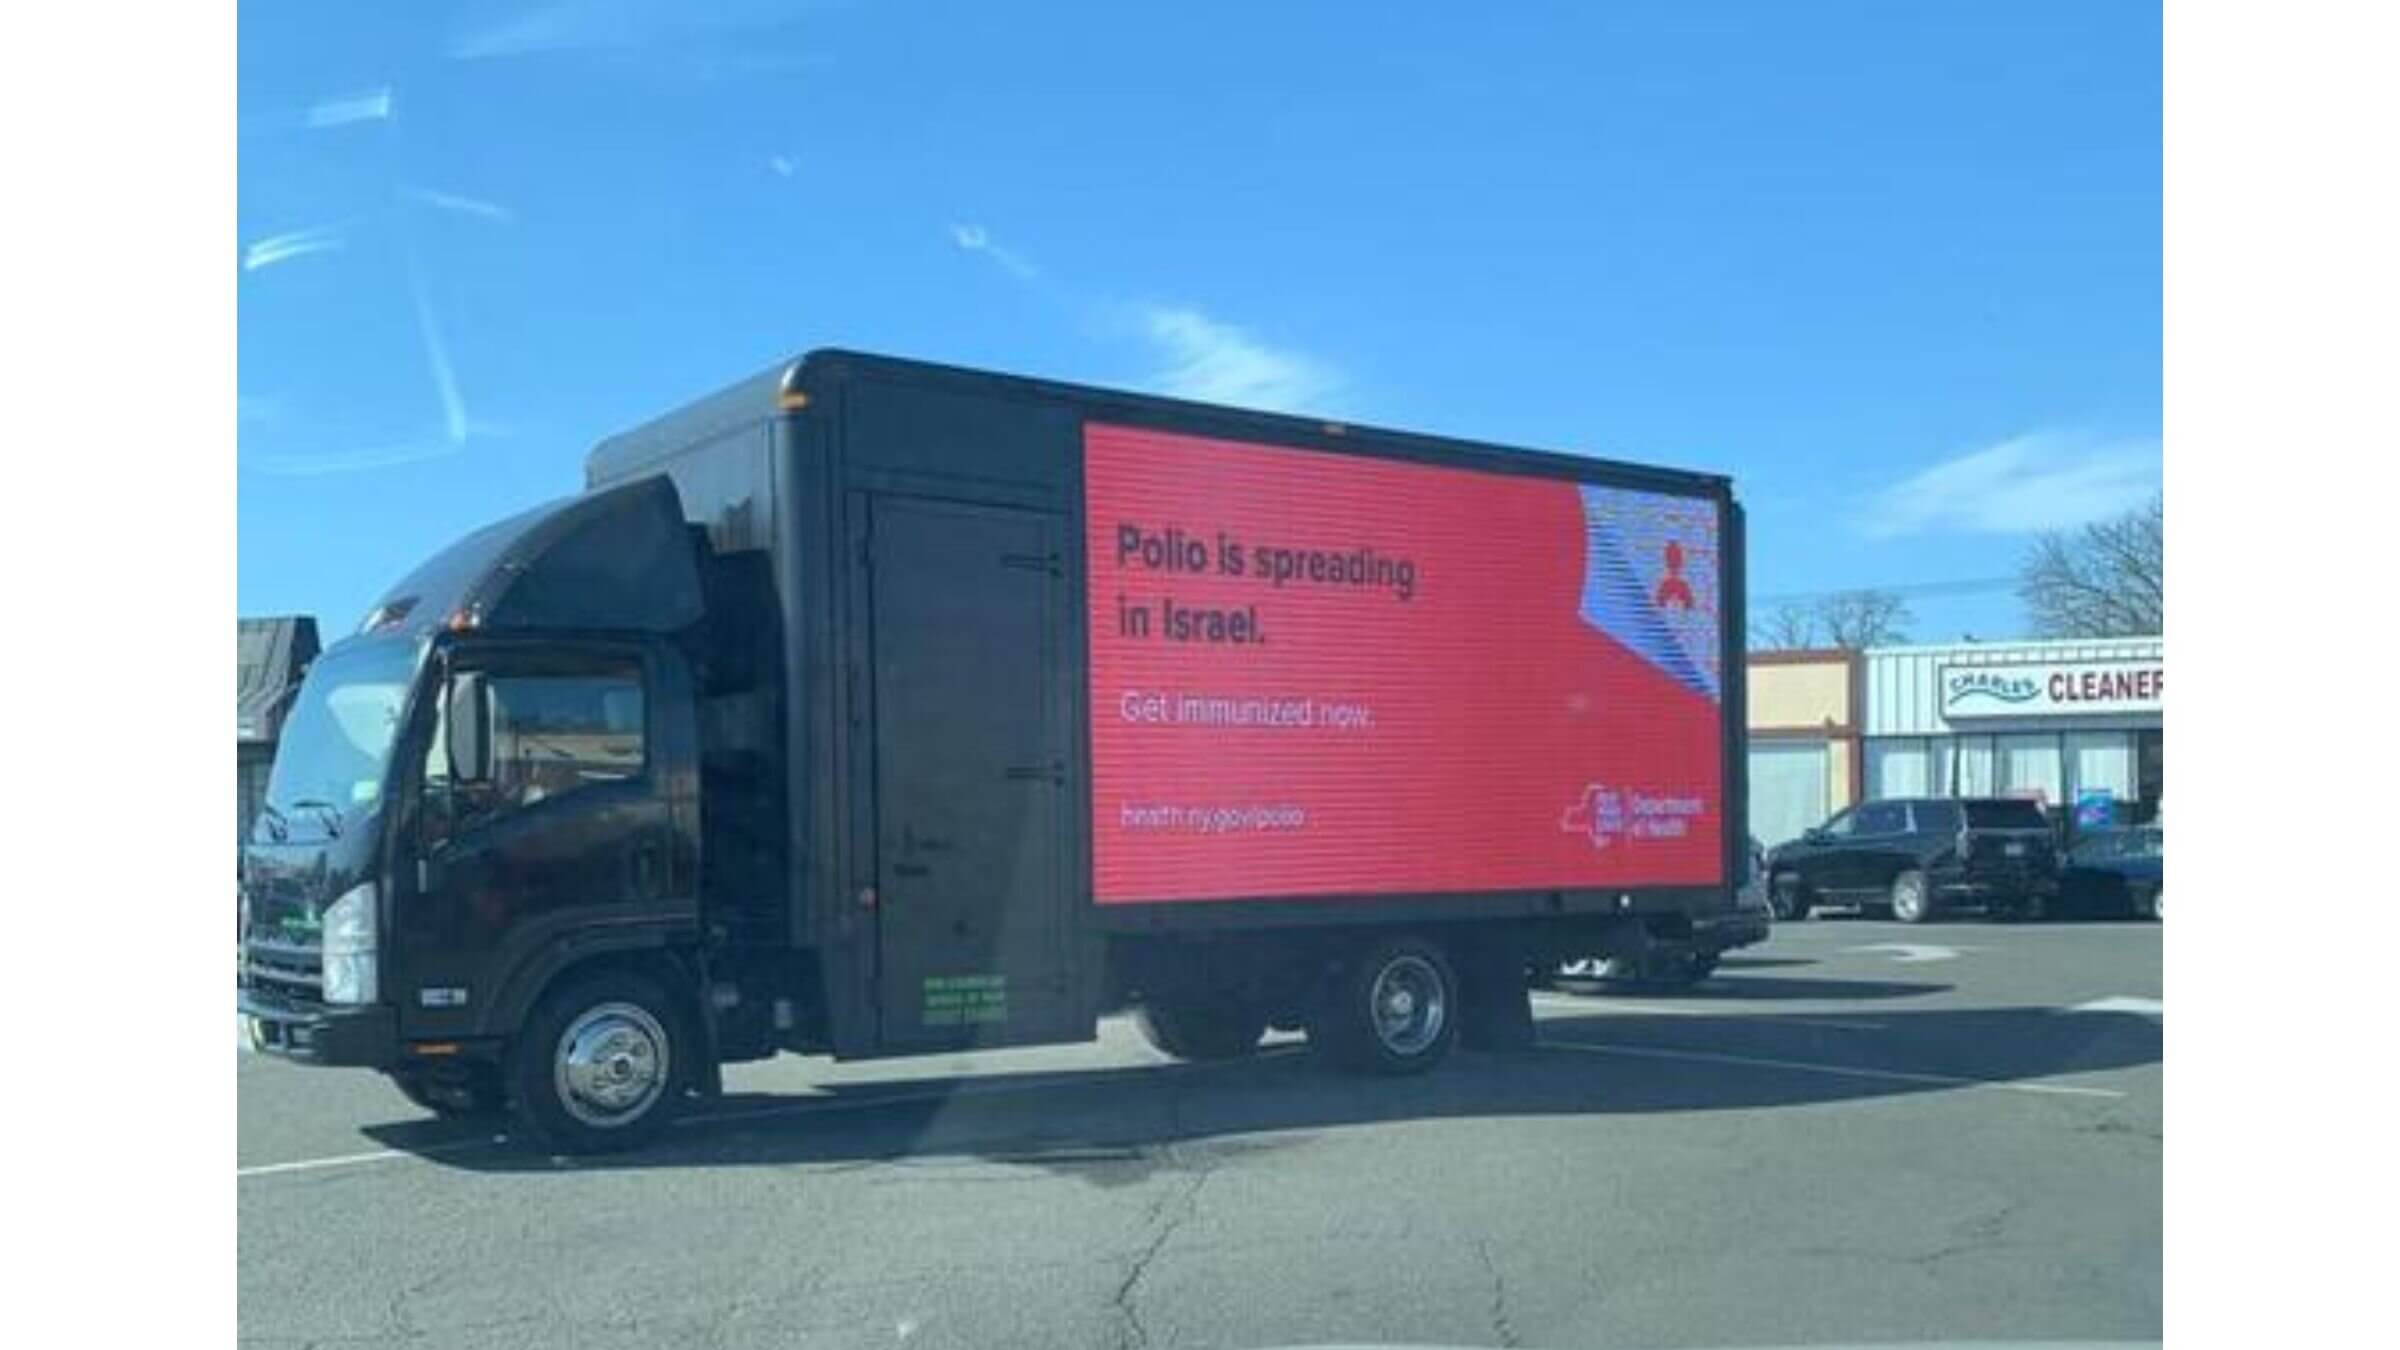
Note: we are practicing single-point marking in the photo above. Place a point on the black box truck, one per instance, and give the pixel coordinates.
(871, 707)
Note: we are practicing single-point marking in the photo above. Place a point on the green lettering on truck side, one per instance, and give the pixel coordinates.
(955, 1000)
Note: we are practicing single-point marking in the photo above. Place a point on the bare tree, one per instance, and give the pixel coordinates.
(2106, 580)
(1790, 626)
(1853, 620)
(1845, 619)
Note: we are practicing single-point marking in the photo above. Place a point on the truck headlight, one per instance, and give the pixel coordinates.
(349, 928)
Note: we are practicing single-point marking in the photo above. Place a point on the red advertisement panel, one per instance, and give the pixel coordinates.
(1321, 675)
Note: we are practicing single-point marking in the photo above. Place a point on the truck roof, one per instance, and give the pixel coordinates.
(787, 385)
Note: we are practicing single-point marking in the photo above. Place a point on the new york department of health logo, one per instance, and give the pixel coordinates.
(1599, 815)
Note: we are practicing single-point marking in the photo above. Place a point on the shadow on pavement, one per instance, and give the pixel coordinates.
(1117, 1125)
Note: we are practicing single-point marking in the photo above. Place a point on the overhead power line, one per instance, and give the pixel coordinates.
(1964, 586)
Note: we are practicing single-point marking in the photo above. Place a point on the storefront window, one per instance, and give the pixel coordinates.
(1972, 769)
(2103, 761)
(2030, 766)
(1898, 768)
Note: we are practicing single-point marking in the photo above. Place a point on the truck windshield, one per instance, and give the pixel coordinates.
(330, 762)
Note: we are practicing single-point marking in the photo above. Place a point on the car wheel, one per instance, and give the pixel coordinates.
(2157, 905)
(603, 1064)
(1911, 901)
(1787, 897)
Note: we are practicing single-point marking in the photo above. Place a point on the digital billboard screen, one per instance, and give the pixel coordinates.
(1317, 674)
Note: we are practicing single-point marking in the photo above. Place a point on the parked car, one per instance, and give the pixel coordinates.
(1916, 856)
(2120, 871)
(1678, 964)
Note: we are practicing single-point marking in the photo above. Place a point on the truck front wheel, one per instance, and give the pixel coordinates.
(1392, 1011)
(603, 1064)
(1201, 1028)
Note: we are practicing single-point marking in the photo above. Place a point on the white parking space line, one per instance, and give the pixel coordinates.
(1913, 953)
(2123, 1003)
(355, 1159)
(1670, 1010)
(1835, 1070)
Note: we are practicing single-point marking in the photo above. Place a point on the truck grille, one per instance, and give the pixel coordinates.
(289, 969)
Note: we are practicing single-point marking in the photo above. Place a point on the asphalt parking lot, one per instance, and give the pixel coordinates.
(1857, 1132)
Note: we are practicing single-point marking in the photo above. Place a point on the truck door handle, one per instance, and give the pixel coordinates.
(1054, 772)
(909, 869)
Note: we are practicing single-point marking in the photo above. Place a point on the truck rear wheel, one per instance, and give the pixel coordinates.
(603, 1064)
(1394, 1010)
(1201, 1028)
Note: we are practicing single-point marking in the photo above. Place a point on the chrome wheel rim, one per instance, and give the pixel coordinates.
(1908, 901)
(611, 1065)
(1408, 1006)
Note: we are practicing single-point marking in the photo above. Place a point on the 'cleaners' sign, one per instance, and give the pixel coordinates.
(2054, 689)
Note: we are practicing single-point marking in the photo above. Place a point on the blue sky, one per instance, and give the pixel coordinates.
(1895, 267)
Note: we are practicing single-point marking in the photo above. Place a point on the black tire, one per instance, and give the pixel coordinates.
(625, 1038)
(1787, 898)
(1201, 1028)
(476, 1091)
(1393, 1010)
(1912, 897)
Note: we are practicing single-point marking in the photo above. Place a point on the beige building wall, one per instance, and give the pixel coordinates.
(1811, 696)
(1792, 697)
(1838, 774)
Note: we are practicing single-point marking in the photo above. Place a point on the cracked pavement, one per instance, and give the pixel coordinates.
(1821, 1145)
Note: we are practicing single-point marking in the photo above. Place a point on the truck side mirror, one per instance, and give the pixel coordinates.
(466, 726)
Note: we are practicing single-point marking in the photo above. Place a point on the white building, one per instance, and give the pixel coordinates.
(2053, 720)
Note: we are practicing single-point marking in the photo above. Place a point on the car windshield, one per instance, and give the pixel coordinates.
(338, 741)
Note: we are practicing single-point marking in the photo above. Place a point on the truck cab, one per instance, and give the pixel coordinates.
(493, 781)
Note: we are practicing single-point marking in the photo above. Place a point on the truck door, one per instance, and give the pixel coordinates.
(970, 713)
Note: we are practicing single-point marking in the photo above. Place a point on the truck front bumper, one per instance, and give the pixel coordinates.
(366, 1037)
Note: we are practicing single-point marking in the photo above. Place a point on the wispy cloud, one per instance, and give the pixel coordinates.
(782, 165)
(567, 26)
(2040, 481)
(437, 359)
(349, 461)
(373, 105)
(291, 244)
(976, 239)
(1216, 362)
(614, 25)
(451, 201)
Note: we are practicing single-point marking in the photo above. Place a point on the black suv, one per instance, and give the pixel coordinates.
(1914, 855)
